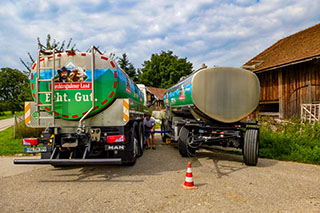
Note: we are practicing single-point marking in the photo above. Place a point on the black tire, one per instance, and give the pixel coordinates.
(184, 149)
(163, 135)
(250, 150)
(141, 139)
(133, 145)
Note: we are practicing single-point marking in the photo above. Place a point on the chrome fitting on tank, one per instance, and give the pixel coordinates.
(95, 134)
(80, 131)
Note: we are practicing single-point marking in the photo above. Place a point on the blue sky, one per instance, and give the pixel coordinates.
(214, 32)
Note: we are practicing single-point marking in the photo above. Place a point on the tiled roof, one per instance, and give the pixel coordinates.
(299, 46)
(158, 92)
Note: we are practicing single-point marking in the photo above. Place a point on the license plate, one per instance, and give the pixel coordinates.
(35, 149)
(114, 147)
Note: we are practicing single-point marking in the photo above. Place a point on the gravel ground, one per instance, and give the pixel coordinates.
(154, 185)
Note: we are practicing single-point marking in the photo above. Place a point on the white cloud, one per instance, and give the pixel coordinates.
(205, 31)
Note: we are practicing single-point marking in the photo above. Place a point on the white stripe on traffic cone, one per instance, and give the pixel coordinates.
(188, 184)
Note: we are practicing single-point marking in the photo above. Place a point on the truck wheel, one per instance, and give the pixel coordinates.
(163, 135)
(135, 140)
(134, 145)
(250, 148)
(184, 149)
(141, 140)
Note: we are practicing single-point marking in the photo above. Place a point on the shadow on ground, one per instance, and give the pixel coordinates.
(234, 155)
(154, 162)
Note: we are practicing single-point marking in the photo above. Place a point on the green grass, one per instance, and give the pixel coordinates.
(9, 145)
(26, 132)
(8, 114)
(158, 125)
(291, 141)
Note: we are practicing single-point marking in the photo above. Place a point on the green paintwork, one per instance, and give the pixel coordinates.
(72, 104)
(179, 94)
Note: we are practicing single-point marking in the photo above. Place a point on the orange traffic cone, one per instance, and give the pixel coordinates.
(188, 184)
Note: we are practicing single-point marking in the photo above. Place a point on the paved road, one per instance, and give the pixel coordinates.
(6, 123)
(7, 168)
(154, 185)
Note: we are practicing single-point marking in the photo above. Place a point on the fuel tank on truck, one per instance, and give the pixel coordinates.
(224, 94)
(73, 84)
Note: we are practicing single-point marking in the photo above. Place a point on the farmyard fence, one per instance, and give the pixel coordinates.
(310, 112)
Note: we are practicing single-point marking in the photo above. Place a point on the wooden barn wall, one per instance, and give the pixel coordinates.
(269, 87)
(300, 84)
(291, 86)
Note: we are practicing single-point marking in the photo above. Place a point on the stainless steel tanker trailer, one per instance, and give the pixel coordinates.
(91, 111)
(206, 108)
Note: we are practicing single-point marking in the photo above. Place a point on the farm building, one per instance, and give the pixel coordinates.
(158, 94)
(289, 74)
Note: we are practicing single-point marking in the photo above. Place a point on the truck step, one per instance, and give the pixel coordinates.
(44, 80)
(49, 92)
(45, 68)
(69, 162)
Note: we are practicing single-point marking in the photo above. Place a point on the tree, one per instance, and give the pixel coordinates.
(128, 67)
(113, 56)
(14, 89)
(164, 70)
(50, 46)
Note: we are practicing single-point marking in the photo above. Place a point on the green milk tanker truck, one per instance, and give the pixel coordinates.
(206, 108)
(92, 112)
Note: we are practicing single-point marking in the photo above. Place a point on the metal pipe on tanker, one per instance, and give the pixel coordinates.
(37, 82)
(92, 94)
(52, 83)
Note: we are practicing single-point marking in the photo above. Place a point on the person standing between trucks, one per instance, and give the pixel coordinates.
(150, 123)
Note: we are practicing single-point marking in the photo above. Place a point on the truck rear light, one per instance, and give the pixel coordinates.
(116, 138)
(29, 141)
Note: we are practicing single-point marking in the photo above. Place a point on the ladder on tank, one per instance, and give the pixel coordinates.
(42, 50)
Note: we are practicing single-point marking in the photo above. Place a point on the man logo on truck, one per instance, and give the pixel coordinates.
(119, 147)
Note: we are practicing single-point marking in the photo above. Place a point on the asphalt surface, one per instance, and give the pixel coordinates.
(6, 123)
(153, 184)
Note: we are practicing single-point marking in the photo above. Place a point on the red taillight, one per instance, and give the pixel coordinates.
(29, 141)
(221, 133)
(116, 138)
